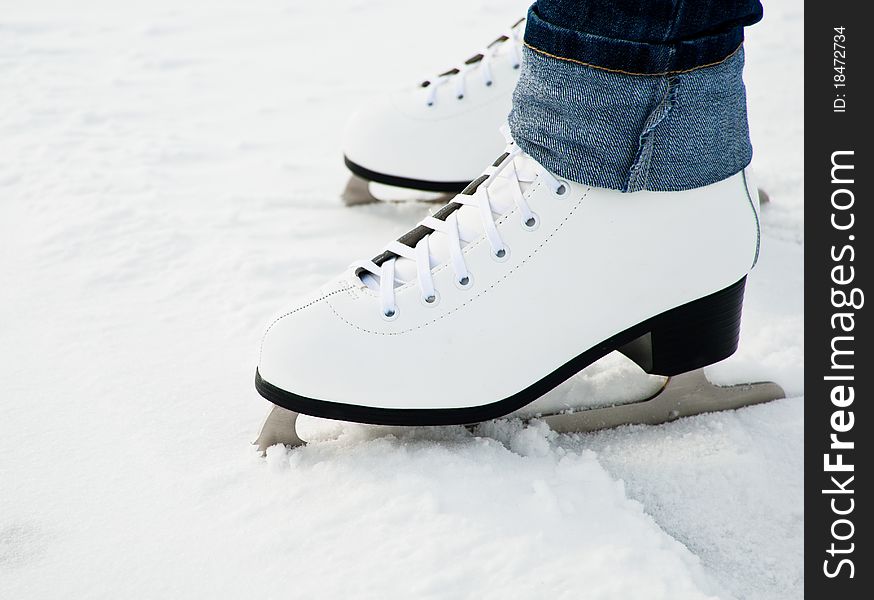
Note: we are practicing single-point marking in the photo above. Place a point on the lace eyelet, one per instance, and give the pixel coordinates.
(431, 300)
(502, 254)
(532, 223)
(465, 283)
(430, 104)
(562, 191)
(390, 315)
(460, 97)
(489, 83)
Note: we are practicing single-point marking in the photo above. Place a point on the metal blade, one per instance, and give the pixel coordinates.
(683, 395)
(279, 428)
(357, 192)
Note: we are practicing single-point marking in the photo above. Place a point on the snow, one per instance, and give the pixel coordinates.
(170, 176)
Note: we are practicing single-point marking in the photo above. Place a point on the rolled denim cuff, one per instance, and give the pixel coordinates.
(625, 56)
(630, 133)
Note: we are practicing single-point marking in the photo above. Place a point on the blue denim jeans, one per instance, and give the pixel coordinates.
(635, 95)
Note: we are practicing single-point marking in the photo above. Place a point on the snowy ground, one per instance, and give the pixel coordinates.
(169, 177)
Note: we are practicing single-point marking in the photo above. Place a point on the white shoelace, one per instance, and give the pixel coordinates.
(510, 40)
(458, 235)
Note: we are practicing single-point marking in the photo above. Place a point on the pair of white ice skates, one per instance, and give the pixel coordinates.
(522, 280)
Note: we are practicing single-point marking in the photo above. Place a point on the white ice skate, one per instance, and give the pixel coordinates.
(435, 136)
(516, 285)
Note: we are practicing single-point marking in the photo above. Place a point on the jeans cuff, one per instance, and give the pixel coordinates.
(631, 133)
(624, 56)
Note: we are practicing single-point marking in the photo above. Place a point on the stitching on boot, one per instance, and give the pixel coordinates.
(500, 280)
(755, 215)
(291, 312)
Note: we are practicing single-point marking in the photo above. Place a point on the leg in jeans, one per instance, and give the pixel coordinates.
(635, 95)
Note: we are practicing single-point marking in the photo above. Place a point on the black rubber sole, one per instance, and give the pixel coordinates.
(447, 187)
(688, 337)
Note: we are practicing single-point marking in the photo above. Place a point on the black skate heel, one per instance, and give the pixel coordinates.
(690, 336)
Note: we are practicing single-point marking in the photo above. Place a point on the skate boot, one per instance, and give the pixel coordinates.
(435, 136)
(517, 284)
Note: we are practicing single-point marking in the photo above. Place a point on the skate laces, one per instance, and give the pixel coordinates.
(442, 236)
(509, 41)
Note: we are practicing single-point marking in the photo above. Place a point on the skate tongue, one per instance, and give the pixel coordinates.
(469, 222)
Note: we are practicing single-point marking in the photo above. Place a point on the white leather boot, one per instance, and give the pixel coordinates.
(516, 285)
(436, 135)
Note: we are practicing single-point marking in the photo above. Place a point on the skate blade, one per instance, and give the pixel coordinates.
(279, 428)
(360, 191)
(357, 192)
(684, 395)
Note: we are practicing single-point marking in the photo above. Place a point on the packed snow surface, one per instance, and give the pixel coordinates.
(170, 176)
